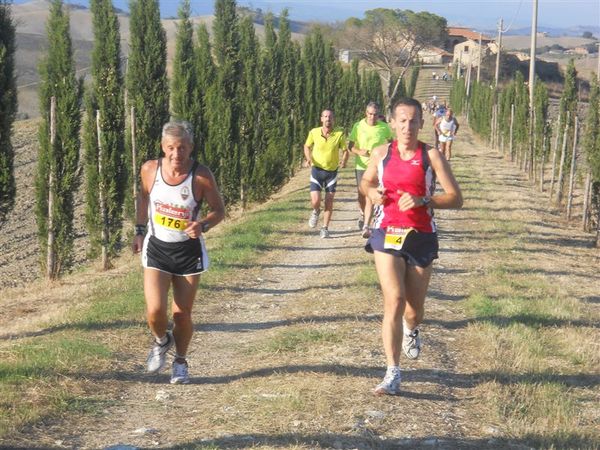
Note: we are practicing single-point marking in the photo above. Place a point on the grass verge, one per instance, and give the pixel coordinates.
(42, 374)
(529, 335)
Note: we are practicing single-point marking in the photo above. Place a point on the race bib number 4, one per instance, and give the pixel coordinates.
(395, 237)
(170, 222)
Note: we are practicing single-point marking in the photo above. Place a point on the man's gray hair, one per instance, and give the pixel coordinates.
(178, 129)
(373, 105)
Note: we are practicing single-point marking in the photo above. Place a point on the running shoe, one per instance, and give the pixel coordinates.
(314, 218)
(411, 344)
(361, 222)
(366, 232)
(390, 384)
(158, 354)
(324, 233)
(179, 374)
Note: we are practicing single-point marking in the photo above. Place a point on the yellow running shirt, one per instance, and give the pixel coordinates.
(326, 152)
(368, 137)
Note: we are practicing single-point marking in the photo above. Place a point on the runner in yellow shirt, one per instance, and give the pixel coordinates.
(322, 153)
(367, 134)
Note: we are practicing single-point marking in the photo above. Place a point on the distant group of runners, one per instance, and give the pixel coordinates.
(396, 179)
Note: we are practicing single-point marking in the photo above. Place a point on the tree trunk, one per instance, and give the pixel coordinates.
(572, 174)
(554, 153)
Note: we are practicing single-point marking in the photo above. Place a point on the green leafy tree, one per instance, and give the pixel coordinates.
(106, 173)
(390, 39)
(8, 108)
(146, 81)
(58, 175)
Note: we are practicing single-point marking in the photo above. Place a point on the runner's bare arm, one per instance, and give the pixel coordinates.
(205, 188)
(370, 181)
(147, 174)
(452, 196)
(307, 156)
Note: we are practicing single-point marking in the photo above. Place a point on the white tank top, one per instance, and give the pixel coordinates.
(447, 127)
(171, 207)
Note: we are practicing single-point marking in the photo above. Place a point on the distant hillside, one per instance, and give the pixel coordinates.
(31, 18)
(576, 31)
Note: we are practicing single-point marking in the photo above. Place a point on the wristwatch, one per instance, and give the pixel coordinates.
(425, 200)
(205, 227)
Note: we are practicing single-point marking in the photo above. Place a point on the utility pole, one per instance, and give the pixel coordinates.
(532, 84)
(532, 54)
(499, 43)
(479, 60)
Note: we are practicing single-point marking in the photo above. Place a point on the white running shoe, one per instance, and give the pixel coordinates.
(314, 218)
(179, 374)
(411, 344)
(158, 354)
(390, 384)
(324, 233)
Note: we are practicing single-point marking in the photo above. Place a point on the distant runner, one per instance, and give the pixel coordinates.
(173, 252)
(446, 128)
(400, 181)
(322, 152)
(366, 134)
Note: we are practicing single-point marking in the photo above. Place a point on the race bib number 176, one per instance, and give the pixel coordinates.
(170, 222)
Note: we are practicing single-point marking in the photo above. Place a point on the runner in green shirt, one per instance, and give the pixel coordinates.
(367, 134)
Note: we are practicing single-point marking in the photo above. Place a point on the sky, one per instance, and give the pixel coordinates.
(476, 14)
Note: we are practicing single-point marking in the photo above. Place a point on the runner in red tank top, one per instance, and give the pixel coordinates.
(400, 182)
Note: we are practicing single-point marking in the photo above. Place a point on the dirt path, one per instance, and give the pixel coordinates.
(286, 353)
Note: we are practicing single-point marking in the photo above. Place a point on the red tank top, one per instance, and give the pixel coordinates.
(414, 176)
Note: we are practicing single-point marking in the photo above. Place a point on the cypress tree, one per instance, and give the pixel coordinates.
(146, 80)
(8, 108)
(222, 148)
(184, 70)
(106, 173)
(591, 148)
(249, 100)
(58, 175)
(205, 76)
(568, 103)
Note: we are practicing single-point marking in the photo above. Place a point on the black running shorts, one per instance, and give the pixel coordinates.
(419, 249)
(323, 179)
(177, 258)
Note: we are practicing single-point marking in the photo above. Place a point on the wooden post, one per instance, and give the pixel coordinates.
(479, 59)
(133, 163)
(585, 220)
(497, 74)
(51, 256)
(511, 140)
(554, 153)
(542, 163)
(102, 198)
(572, 174)
(563, 157)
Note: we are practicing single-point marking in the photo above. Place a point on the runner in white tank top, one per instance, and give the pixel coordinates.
(446, 127)
(173, 252)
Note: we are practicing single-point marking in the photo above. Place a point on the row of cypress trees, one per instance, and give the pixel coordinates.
(503, 116)
(8, 109)
(251, 105)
